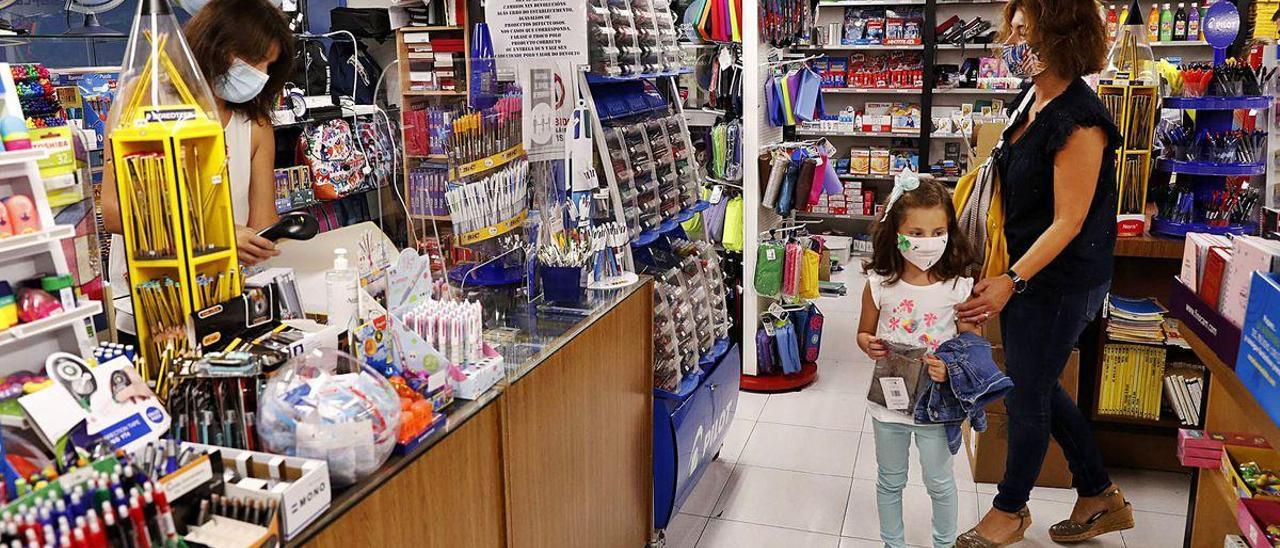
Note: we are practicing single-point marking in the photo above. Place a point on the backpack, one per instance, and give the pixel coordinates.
(336, 163)
(311, 68)
(380, 151)
(353, 74)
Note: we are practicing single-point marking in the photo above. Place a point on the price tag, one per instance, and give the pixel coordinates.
(717, 194)
(895, 393)
(589, 179)
(771, 254)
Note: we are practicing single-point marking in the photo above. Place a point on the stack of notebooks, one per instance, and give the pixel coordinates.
(1219, 269)
(1184, 391)
(434, 64)
(1132, 381)
(1135, 320)
(438, 13)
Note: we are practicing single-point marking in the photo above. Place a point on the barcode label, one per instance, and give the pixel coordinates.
(895, 393)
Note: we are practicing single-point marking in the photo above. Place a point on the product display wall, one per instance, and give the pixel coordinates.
(490, 266)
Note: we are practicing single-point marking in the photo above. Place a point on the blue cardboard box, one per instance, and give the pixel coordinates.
(1258, 363)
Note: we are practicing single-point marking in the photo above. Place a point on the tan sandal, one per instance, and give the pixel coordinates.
(972, 539)
(1103, 522)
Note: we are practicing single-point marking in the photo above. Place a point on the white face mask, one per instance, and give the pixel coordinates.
(924, 252)
(241, 83)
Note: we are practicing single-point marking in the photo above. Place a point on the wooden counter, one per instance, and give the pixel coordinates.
(561, 456)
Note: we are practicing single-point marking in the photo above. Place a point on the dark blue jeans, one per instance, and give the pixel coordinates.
(1040, 327)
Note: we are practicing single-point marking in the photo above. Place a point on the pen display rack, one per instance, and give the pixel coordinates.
(169, 158)
(1134, 108)
(488, 192)
(1213, 160)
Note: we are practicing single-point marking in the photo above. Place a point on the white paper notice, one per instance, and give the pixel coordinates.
(532, 30)
(542, 42)
(895, 393)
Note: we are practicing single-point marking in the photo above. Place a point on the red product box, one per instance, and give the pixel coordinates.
(1215, 440)
(1191, 461)
(1201, 453)
(1253, 516)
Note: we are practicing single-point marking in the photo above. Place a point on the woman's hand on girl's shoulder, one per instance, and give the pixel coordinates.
(989, 298)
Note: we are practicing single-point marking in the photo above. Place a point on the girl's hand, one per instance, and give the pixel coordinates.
(989, 298)
(937, 369)
(872, 346)
(253, 248)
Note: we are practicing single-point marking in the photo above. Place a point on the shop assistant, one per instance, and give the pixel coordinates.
(245, 52)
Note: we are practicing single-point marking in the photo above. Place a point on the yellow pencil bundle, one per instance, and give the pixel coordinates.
(148, 206)
(214, 289)
(160, 308)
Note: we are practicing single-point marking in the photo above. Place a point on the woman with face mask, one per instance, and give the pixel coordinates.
(245, 52)
(1057, 177)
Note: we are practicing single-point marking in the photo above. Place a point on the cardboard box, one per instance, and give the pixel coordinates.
(1200, 439)
(1253, 516)
(987, 453)
(301, 486)
(1070, 378)
(1258, 362)
(1233, 455)
(1199, 458)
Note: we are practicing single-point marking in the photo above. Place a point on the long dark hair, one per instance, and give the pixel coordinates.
(888, 262)
(226, 29)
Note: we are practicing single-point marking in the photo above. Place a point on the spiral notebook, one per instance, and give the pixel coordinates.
(899, 378)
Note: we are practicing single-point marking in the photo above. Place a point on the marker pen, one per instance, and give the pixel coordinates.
(149, 515)
(139, 521)
(127, 532)
(168, 530)
(78, 538)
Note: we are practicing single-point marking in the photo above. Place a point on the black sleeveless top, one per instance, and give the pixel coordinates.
(1026, 178)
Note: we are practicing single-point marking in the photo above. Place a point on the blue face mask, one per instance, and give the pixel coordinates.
(241, 83)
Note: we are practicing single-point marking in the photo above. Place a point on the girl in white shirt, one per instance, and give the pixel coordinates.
(914, 280)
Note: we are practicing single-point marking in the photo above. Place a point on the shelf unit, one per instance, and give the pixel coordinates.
(25, 256)
(1230, 408)
(419, 98)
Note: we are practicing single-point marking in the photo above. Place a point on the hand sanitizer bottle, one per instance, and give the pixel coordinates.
(342, 288)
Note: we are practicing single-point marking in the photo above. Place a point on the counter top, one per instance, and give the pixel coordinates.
(530, 335)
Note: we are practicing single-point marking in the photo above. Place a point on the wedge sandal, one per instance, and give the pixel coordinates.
(972, 539)
(1107, 521)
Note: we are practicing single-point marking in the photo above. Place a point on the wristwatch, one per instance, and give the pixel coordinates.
(1019, 284)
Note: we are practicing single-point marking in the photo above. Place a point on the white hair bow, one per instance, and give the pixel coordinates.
(904, 182)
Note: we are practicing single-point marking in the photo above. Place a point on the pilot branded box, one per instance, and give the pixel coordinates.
(1258, 365)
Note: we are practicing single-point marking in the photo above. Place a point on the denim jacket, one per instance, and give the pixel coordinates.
(973, 381)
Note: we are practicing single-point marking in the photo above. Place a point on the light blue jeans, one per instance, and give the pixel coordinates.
(892, 444)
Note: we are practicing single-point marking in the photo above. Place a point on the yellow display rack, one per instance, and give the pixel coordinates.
(1134, 109)
(180, 245)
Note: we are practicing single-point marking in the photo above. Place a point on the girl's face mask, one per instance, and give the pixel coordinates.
(922, 251)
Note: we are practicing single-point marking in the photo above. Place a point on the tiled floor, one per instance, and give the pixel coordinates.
(798, 470)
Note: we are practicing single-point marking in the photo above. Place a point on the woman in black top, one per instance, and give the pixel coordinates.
(1057, 174)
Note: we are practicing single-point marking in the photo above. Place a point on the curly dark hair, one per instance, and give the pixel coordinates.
(888, 262)
(226, 29)
(1068, 35)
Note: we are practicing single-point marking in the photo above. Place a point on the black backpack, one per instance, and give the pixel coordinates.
(311, 68)
(349, 78)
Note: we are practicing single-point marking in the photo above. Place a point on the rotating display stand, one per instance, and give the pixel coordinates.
(1213, 114)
